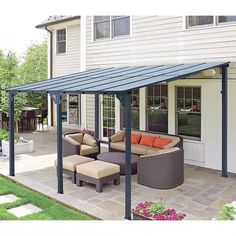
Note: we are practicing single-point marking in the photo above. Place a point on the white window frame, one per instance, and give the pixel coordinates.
(56, 31)
(216, 23)
(93, 27)
(198, 26)
(187, 137)
(224, 23)
(111, 29)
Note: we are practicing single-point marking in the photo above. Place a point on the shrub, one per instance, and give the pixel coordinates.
(228, 212)
(4, 135)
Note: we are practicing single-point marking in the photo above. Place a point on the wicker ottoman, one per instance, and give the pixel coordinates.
(70, 163)
(98, 173)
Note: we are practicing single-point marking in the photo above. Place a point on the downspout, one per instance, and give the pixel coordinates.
(51, 66)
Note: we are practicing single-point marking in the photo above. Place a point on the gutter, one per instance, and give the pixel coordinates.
(51, 66)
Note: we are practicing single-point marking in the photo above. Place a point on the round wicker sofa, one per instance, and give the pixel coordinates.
(160, 169)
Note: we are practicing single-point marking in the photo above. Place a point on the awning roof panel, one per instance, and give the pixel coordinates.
(116, 80)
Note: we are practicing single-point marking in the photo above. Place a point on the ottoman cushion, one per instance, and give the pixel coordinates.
(70, 162)
(98, 169)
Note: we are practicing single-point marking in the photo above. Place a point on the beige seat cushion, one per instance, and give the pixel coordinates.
(152, 150)
(72, 141)
(118, 145)
(169, 150)
(149, 134)
(86, 149)
(136, 132)
(78, 137)
(89, 140)
(98, 169)
(162, 151)
(135, 148)
(138, 149)
(70, 162)
(118, 137)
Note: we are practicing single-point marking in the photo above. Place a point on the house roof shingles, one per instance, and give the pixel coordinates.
(52, 20)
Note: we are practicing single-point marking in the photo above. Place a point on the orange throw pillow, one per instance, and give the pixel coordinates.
(147, 140)
(161, 142)
(135, 138)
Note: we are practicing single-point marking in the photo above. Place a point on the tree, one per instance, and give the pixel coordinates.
(34, 69)
(8, 78)
(12, 73)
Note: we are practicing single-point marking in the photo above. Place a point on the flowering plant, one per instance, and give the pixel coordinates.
(157, 211)
(228, 212)
(87, 131)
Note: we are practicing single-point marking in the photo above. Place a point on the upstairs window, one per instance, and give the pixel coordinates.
(199, 20)
(61, 41)
(225, 19)
(120, 25)
(101, 27)
(111, 26)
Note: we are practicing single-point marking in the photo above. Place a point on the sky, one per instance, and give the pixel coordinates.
(18, 18)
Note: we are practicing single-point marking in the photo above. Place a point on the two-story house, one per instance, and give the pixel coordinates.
(190, 107)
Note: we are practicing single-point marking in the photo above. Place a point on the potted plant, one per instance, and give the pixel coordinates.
(155, 211)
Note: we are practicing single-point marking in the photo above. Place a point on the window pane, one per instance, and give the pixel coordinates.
(61, 35)
(188, 92)
(157, 116)
(61, 47)
(226, 19)
(61, 41)
(180, 92)
(196, 93)
(121, 26)
(164, 91)
(101, 18)
(189, 124)
(102, 30)
(189, 111)
(157, 120)
(199, 20)
(134, 111)
(108, 115)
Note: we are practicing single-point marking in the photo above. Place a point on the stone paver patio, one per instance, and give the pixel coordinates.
(201, 196)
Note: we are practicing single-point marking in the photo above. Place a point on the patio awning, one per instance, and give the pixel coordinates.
(115, 80)
(119, 81)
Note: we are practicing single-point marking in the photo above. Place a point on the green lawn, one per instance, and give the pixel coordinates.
(52, 210)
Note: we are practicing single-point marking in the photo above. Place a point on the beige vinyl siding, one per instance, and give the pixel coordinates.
(159, 40)
(69, 62)
(163, 39)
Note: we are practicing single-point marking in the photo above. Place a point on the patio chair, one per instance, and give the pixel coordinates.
(41, 117)
(163, 170)
(80, 144)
